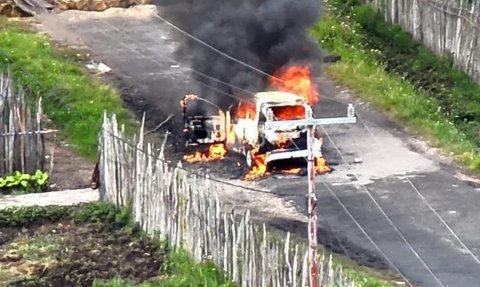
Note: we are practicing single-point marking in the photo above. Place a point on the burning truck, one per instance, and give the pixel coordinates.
(270, 127)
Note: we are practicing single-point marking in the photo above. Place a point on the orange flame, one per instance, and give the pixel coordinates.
(259, 165)
(246, 110)
(297, 80)
(215, 151)
(231, 134)
(293, 171)
(281, 141)
(321, 166)
(285, 113)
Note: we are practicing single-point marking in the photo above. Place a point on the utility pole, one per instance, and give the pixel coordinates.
(312, 206)
(311, 123)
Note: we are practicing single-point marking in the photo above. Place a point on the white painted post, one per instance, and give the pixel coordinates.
(312, 213)
(311, 123)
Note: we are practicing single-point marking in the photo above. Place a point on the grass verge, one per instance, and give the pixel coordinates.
(72, 99)
(415, 88)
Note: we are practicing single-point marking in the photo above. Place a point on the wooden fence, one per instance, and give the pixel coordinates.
(172, 204)
(448, 27)
(22, 144)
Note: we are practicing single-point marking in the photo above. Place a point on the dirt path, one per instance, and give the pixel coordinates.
(66, 198)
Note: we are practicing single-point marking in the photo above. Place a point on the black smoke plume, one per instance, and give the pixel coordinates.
(266, 34)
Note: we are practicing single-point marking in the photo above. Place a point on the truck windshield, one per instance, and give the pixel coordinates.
(285, 113)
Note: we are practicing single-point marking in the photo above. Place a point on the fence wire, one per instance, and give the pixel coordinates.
(183, 209)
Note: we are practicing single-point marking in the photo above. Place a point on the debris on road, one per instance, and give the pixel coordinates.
(65, 198)
(100, 67)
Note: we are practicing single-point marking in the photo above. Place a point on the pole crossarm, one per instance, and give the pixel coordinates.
(310, 122)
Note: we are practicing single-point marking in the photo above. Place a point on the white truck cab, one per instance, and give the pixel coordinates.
(277, 143)
(274, 125)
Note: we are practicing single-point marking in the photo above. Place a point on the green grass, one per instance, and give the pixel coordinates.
(97, 212)
(73, 99)
(43, 249)
(34, 255)
(411, 85)
(181, 271)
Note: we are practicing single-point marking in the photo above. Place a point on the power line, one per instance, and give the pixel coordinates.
(215, 49)
(5, 54)
(222, 82)
(266, 74)
(365, 232)
(214, 79)
(181, 168)
(443, 221)
(385, 215)
(209, 77)
(188, 68)
(455, 235)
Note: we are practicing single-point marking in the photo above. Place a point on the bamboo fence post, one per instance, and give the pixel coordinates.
(185, 210)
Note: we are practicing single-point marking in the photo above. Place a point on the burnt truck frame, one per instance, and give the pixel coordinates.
(264, 130)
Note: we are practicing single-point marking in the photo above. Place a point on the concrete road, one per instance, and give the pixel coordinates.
(403, 206)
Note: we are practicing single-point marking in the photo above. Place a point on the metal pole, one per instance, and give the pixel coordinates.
(312, 213)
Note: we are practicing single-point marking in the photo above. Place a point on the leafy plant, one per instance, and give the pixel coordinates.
(24, 183)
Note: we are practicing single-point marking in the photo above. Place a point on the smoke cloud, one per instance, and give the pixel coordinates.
(266, 34)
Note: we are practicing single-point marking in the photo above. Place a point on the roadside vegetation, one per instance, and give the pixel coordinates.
(182, 271)
(72, 99)
(91, 245)
(414, 87)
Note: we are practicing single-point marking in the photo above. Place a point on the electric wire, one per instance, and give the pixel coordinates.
(171, 62)
(230, 95)
(443, 221)
(377, 205)
(359, 226)
(337, 149)
(449, 228)
(202, 175)
(157, 15)
(365, 233)
(188, 171)
(227, 84)
(256, 69)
